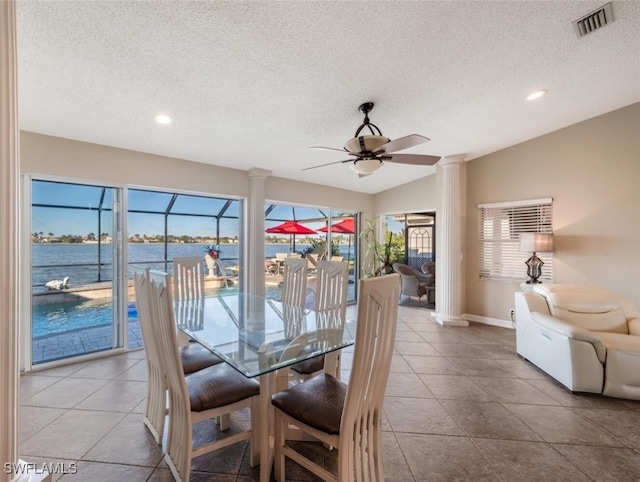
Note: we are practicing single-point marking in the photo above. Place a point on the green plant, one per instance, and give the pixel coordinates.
(378, 257)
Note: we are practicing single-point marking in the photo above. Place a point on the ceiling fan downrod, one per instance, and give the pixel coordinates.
(365, 109)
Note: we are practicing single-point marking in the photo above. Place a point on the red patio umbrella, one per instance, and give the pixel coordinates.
(292, 228)
(346, 226)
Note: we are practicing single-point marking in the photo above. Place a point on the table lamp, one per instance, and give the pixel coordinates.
(535, 242)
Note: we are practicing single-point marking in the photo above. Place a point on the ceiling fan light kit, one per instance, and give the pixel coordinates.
(364, 167)
(371, 150)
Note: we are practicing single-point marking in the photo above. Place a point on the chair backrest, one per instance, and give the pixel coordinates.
(294, 282)
(332, 283)
(141, 285)
(162, 313)
(281, 256)
(429, 268)
(375, 337)
(188, 278)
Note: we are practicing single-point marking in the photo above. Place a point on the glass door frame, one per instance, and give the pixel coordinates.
(119, 263)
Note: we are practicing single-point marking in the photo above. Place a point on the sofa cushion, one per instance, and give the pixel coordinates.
(592, 311)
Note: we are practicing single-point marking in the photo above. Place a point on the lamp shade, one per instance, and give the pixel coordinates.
(536, 242)
(365, 167)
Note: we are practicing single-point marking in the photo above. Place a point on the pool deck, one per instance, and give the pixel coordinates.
(80, 342)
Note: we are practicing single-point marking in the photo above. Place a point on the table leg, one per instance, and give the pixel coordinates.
(266, 451)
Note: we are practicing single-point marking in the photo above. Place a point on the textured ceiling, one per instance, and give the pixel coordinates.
(254, 84)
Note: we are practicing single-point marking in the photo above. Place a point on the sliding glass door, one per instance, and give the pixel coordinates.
(76, 270)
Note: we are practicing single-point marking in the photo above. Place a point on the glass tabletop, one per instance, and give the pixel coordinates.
(256, 335)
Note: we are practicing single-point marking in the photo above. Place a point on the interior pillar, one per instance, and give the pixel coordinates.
(9, 280)
(254, 237)
(451, 181)
(16, 470)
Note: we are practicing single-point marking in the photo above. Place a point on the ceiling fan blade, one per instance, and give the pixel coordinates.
(416, 159)
(328, 164)
(402, 143)
(320, 148)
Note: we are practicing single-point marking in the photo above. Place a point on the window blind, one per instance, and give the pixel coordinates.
(500, 227)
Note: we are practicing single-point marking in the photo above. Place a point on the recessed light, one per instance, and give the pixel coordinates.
(537, 94)
(162, 119)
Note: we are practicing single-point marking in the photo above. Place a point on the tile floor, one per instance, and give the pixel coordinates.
(460, 405)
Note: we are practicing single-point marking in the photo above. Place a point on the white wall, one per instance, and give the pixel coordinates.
(65, 158)
(416, 196)
(592, 172)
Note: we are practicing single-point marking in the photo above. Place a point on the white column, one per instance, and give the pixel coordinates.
(18, 470)
(9, 279)
(255, 232)
(450, 222)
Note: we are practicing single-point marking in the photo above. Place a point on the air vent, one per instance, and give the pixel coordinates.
(593, 21)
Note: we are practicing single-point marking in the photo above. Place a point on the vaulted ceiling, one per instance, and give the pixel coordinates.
(255, 84)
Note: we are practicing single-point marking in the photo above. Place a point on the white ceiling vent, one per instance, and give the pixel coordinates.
(593, 21)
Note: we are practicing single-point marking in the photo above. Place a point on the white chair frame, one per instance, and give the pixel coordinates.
(179, 450)
(359, 440)
(156, 403)
(332, 285)
(294, 282)
(188, 278)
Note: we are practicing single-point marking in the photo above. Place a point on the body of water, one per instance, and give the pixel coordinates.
(80, 261)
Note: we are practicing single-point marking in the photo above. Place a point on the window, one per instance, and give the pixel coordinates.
(500, 227)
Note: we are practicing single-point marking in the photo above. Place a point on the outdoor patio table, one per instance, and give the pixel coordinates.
(250, 332)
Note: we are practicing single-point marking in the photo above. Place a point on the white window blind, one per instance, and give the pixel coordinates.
(500, 226)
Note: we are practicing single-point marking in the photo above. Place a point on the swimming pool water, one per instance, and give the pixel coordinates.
(55, 318)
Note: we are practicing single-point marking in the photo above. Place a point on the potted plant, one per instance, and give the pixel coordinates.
(212, 254)
(378, 256)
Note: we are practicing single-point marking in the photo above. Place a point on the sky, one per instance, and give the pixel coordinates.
(67, 208)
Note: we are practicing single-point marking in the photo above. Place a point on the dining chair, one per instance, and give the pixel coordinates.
(188, 278)
(294, 282)
(193, 357)
(206, 394)
(332, 282)
(347, 417)
(156, 404)
(294, 295)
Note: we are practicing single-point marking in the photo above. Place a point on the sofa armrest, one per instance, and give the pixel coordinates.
(634, 326)
(572, 331)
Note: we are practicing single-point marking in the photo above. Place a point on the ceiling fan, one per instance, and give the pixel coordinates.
(370, 151)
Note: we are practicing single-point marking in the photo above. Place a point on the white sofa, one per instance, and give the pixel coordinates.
(585, 337)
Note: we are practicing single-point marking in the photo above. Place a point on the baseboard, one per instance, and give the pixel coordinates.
(489, 321)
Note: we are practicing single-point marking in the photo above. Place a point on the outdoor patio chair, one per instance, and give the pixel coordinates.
(347, 417)
(210, 393)
(413, 282)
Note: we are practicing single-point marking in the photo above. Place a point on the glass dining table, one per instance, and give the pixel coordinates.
(257, 336)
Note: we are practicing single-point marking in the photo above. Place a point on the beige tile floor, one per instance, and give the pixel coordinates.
(460, 405)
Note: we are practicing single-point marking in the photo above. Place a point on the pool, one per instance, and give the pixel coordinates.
(56, 318)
